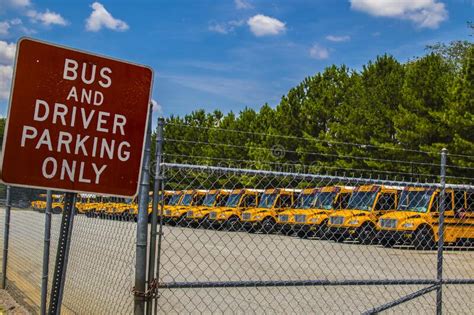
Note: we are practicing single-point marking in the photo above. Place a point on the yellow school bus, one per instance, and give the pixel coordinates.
(97, 206)
(365, 206)
(199, 215)
(83, 201)
(305, 200)
(229, 216)
(172, 204)
(171, 198)
(56, 205)
(164, 198)
(114, 206)
(39, 204)
(312, 209)
(177, 214)
(416, 220)
(263, 217)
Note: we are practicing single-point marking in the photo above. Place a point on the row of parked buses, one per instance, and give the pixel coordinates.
(368, 214)
(91, 205)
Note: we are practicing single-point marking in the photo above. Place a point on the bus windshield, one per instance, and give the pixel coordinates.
(209, 200)
(325, 200)
(233, 200)
(57, 198)
(305, 201)
(186, 201)
(362, 200)
(174, 200)
(417, 201)
(267, 201)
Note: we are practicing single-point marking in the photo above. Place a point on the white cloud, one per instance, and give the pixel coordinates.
(6, 73)
(7, 53)
(242, 4)
(262, 25)
(15, 3)
(46, 18)
(318, 52)
(101, 18)
(156, 107)
(4, 27)
(225, 28)
(337, 39)
(424, 13)
(16, 21)
(219, 28)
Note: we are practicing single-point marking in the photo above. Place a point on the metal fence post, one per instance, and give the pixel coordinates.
(6, 237)
(142, 227)
(47, 242)
(62, 253)
(154, 213)
(439, 275)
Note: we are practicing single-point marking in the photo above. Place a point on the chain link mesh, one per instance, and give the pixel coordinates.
(262, 241)
(101, 264)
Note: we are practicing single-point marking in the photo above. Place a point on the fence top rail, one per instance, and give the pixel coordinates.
(322, 177)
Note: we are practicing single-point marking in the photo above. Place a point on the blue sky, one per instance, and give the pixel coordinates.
(229, 54)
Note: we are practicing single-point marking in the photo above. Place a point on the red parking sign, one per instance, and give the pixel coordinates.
(76, 121)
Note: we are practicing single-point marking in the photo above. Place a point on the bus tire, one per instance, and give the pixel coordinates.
(367, 234)
(424, 238)
(268, 225)
(323, 232)
(233, 224)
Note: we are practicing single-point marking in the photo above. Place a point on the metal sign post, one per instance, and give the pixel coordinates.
(6, 237)
(62, 253)
(46, 250)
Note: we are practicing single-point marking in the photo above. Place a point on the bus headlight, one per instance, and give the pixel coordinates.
(408, 225)
(314, 220)
(353, 222)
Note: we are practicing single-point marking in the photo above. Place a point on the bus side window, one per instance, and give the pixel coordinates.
(251, 201)
(342, 201)
(470, 201)
(199, 200)
(458, 200)
(448, 202)
(285, 201)
(221, 200)
(248, 201)
(386, 202)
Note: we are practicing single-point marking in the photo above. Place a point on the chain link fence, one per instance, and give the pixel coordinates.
(263, 241)
(101, 263)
